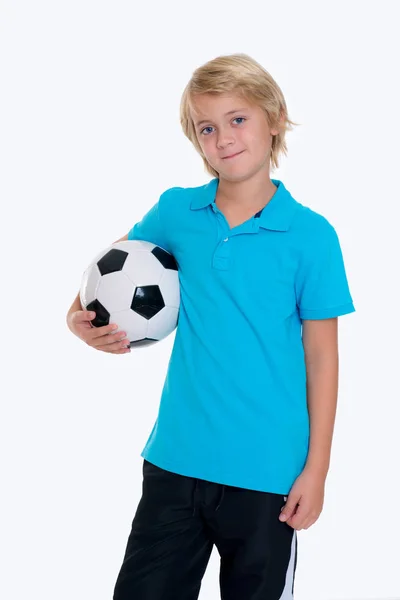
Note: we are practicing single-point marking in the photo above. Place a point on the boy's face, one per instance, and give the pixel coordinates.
(221, 135)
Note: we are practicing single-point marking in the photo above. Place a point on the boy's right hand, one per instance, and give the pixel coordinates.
(102, 338)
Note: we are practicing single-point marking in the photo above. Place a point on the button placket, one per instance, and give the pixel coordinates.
(221, 252)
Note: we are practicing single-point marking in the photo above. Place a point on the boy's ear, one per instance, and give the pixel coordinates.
(281, 122)
(276, 130)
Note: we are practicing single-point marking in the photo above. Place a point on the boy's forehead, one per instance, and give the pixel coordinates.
(205, 104)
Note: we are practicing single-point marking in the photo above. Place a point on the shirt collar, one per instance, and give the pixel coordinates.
(277, 215)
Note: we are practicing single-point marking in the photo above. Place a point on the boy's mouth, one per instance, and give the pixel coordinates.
(233, 155)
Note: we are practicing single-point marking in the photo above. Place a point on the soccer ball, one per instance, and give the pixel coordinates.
(134, 284)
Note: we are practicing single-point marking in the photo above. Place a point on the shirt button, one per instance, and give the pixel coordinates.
(226, 239)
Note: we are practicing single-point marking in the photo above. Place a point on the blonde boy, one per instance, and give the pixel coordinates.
(240, 451)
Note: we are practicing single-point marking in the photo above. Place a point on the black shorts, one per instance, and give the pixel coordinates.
(177, 522)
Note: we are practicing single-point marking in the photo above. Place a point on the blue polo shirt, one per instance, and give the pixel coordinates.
(233, 408)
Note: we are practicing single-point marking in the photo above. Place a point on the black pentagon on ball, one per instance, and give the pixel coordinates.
(147, 301)
(165, 258)
(143, 342)
(113, 261)
(102, 315)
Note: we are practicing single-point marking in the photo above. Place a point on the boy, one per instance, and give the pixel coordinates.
(240, 451)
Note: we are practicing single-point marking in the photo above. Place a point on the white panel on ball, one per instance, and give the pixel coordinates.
(146, 270)
(130, 322)
(90, 283)
(162, 323)
(170, 291)
(115, 291)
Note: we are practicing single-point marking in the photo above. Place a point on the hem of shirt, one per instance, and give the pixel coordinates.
(327, 313)
(178, 470)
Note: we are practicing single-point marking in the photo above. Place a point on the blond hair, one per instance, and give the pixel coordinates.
(242, 75)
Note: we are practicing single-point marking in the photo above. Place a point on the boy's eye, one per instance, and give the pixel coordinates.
(236, 118)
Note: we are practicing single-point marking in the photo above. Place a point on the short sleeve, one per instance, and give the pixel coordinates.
(151, 228)
(322, 289)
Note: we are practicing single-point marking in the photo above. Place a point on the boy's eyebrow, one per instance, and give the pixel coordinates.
(226, 114)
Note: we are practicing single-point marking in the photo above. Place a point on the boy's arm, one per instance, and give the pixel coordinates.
(306, 497)
(320, 342)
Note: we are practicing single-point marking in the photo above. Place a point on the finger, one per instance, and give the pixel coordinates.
(311, 520)
(300, 526)
(288, 509)
(98, 332)
(294, 522)
(123, 351)
(82, 315)
(114, 345)
(112, 341)
(293, 525)
(301, 516)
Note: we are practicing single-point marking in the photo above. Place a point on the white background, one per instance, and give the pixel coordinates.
(90, 137)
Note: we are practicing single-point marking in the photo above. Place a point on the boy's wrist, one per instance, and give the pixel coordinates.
(318, 467)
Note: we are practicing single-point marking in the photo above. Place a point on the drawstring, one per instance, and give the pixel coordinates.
(195, 497)
(222, 497)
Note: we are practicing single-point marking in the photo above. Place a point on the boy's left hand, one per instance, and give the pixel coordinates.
(308, 493)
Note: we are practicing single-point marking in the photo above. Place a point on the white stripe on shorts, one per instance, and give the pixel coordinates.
(287, 593)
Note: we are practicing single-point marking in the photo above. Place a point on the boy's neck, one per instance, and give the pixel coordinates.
(248, 195)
